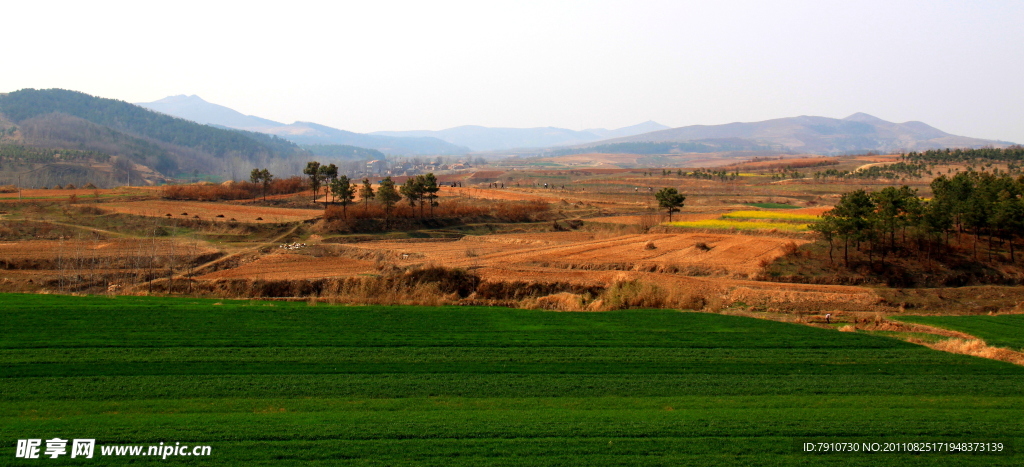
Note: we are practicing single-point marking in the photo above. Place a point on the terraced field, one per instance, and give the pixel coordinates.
(211, 210)
(586, 251)
(290, 384)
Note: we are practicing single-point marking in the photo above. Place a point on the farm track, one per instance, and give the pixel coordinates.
(676, 264)
(91, 229)
(206, 210)
(205, 267)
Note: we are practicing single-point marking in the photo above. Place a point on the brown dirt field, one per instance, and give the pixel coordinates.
(728, 254)
(879, 158)
(484, 174)
(595, 160)
(634, 220)
(117, 248)
(497, 194)
(209, 211)
(585, 259)
(778, 162)
(79, 192)
(291, 266)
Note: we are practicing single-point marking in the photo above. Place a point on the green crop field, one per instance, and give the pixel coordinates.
(772, 205)
(1000, 331)
(277, 383)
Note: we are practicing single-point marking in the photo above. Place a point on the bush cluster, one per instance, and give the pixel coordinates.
(234, 190)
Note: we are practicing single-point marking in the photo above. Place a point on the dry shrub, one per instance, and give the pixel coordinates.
(8, 189)
(232, 190)
(562, 301)
(429, 286)
(790, 249)
(506, 211)
(208, 192)
(284, 186)
(638, 294)
(848, 328)
(646, 221)
(978, 348)
(702, 246)
(650, 246)
(519, 211)
(520, 290)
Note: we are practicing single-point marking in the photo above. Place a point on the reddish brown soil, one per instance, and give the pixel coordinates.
(280, 266)
(210, 211)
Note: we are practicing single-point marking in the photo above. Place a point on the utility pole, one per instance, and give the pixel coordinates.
(19, 187)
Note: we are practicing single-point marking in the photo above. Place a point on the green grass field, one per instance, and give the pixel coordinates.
(1000, 331)
(291, 384)
(771, 205)
(736, 224)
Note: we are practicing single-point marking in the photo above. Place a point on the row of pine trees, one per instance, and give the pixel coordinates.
(974, 203)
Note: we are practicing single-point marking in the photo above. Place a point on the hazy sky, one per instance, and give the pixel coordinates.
(376, 65)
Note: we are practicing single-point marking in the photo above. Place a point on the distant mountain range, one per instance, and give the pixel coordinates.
(198, 110)
(458, 140)
(859, 132)
(47, 131)
(480, 138)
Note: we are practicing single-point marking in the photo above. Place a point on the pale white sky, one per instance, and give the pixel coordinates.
(377, 65)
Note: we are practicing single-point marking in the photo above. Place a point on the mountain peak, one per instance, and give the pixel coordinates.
(864, 118)
(181, 99)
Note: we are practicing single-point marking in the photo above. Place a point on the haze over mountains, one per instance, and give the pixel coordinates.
(859, 132)
(480, 138)
(458, 140)
(819, 135)
(198, 110)
(206, 138)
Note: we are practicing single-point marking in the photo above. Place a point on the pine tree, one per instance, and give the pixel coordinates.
(366, 193)
(388, 196)
(670, 200)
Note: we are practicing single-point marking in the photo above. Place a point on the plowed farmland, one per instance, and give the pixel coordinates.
(655, 252)
(211, 211)
(292, 266)
(50, 251)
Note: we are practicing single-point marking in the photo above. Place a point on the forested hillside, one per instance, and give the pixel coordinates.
(70, 120)
(343, 151)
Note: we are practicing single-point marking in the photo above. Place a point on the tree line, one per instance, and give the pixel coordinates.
(421, 189)
(919, 164)
(980, 204)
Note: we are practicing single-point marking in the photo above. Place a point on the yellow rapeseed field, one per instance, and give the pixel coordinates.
(771, 215)
(727, 224)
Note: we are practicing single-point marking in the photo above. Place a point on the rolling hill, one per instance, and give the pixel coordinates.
(198, 110)
(816, 135)
(480, 138)
(124, 137)
(458, 140)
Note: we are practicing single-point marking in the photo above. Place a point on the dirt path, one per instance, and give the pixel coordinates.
(954, 341)
(202, 268)
(91, 229)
